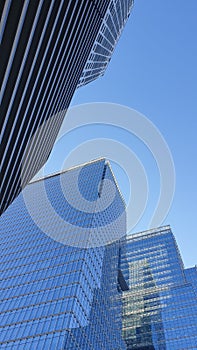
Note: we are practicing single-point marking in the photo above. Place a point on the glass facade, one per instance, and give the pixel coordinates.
(47, 48)
(60, 257)
(160, 307)
(46, 45)
(72, 279)
(112, 26)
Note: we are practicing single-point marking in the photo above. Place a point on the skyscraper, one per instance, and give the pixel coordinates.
(61, 281)
(160, 307)
(72, 279)
(49, 48)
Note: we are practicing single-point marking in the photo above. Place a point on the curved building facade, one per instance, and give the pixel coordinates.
(47, 47)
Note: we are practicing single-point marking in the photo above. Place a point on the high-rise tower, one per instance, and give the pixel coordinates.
(61, 282)
(160, 307)
(71, 279)
(49, 48)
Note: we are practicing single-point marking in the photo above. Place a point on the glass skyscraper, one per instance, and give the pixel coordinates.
(160, 307)
(61, 282)
(49, 49)
(72, 279)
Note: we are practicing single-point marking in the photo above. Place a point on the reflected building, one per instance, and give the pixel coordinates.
(50, 48)
(142, 309)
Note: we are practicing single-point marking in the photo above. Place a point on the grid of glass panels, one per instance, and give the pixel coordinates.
(191, 276)
(160, 308)
(56, 295)
(106, 40)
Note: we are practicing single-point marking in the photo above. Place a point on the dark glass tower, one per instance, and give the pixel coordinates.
(49, 48)
(61, 281)
(160, 308)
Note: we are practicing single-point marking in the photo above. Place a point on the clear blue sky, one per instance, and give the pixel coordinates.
(153, 70)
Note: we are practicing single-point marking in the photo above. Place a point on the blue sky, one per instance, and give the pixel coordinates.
(153, 70)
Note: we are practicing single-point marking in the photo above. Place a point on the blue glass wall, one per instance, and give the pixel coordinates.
(62, 248)
(160, 308)
(60, 243)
